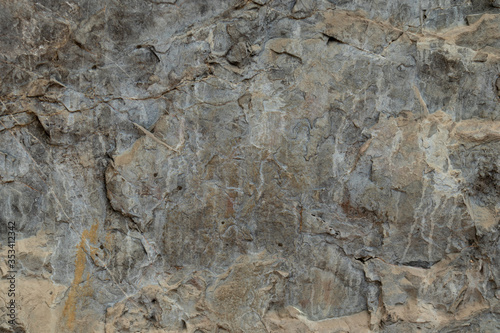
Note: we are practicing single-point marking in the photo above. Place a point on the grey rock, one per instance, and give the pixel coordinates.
(251, 166)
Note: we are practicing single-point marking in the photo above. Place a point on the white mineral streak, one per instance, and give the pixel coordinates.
(251, 166)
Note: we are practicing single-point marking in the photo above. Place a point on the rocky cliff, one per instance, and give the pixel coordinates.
(251, 166)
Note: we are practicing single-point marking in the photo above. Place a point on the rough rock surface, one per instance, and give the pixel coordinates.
(251, 166)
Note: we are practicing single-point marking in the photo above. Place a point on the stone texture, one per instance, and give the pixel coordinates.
(251, 166)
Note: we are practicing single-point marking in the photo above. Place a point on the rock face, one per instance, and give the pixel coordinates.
(251, 166)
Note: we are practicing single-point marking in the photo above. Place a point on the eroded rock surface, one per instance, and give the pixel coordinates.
(251, 166)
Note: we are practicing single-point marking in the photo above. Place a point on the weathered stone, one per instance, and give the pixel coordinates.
(251, 166)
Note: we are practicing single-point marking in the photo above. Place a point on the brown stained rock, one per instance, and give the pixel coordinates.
(237, 54)
(251, 166)
(481, 33)
(359, 32)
